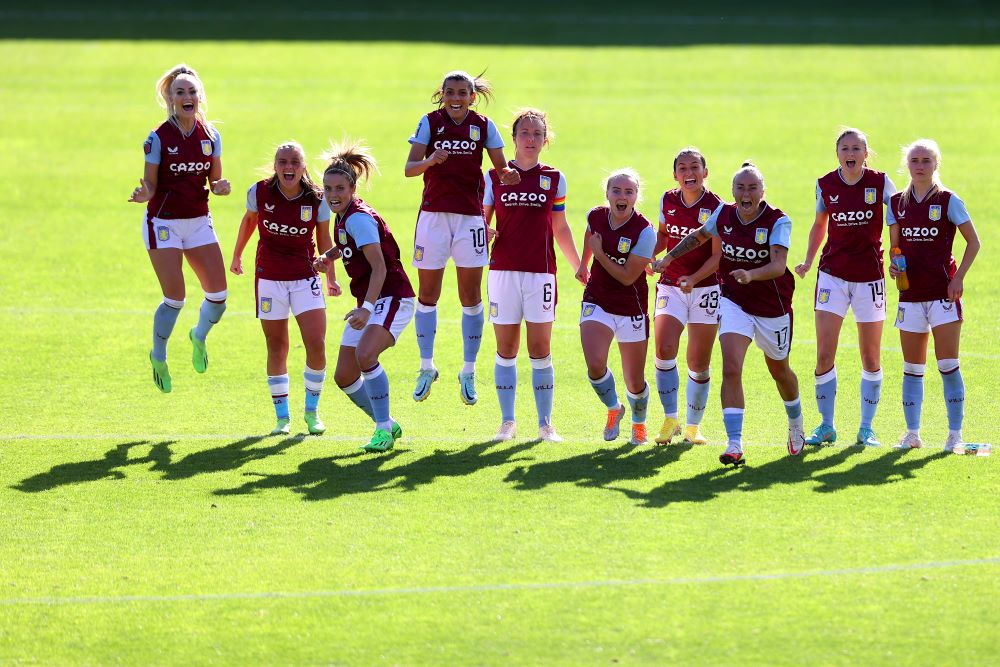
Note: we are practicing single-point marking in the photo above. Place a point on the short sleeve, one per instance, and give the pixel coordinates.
(890, 216)
(820, 204)
(324, 212)
(152, 148)
(781, 233)
(216, 141)
(560, 203)
(252, 198)
(645, 244)
(422, 135)
(493, 138)
(663, 201)
(888, 190)
(711, 225)
(488, 194)
(957, 213)
(362, 228)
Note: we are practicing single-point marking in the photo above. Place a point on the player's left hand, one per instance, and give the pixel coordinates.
(955, 289)
(583, 274)
(509, 176)
(333, 287)
(491, 234)
(595, 243)
(358, 318)
(221, 187)
(742, 276)
(686, 284)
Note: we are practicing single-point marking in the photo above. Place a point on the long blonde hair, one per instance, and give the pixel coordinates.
(936, 185)
(167, 80)
(307, 181)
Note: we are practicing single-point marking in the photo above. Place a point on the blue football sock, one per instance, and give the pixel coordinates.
(472, 335)
(356, 392)
(698, 386)
(210, 313)
(605, 390)
(543, 381)
(667, 383)
(278, 384)
(505, 378)
(425, 326)
(826, 395)
(314, 385)
(913, 394)
(733, 420)
(871, 392)
(954, 392)
(639, 402)
(164, 320)
(793, 409)
(377, 386)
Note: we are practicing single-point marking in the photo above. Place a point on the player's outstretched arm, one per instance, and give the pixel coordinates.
(243, 236)
(147, 184)
(683, 247)
(816, 236)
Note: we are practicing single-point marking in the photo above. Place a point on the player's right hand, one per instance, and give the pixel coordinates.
(143, 193)
(582, 274)
(236, 268)
(491, 234)
(439, 156)
(893, 271)
(321, 264)
(803, 268)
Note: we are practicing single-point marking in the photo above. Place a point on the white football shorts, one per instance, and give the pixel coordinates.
(627, 329)
(922, 316)
(701, 306)
(773, 335)
(182, 233)
(277, 298)
(442, 235)
(520, 295)
(835, 295)
(391, 313)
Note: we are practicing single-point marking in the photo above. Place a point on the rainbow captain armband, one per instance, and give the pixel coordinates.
(559, 204)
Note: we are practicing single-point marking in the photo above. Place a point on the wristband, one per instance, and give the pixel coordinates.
(370, 307)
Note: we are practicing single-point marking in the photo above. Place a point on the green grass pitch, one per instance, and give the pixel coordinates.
(139, 528)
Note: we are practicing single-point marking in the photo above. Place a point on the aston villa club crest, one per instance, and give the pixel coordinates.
(206, 147)
(306, 213)
(588, 309)
(474, 133)
(935, 212)
(824, 296)
(418, 253)
(265, 304)
(342, 236)
(703, 215)
(624, 244)
(900, 315)
(544, 182)
(163, 233)
(494, 310)
(661, 302)
(760, 236)
(870, 196)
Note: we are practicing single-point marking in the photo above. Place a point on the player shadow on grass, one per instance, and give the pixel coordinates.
(217, 459)
(360, 472)
(233, 456)
(597, 468)
(884, 469)
(107, 467)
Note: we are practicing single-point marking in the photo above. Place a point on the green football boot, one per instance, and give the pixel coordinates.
(161, 375)
(381, 441)
(397, 431)
(315, 424)
(199, 354)
(283, 427)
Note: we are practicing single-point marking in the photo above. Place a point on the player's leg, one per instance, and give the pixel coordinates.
(633, 356)
(596, 337)
(734, 351)
(946, 344)
(828, 326)
(348, 376)
(207, 263)
(508, 337)
(667, 331)
(470, 294)
(870, 344)
(312, 325)
(168, 266)
(788, 388)
(276, 338)
(701, 341)
(425, 325)
(543, 377)
(376, 339)
(914, 333)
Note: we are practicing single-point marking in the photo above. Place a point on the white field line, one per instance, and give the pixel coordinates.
(564, 323)
(502, 587)
(596, 19)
